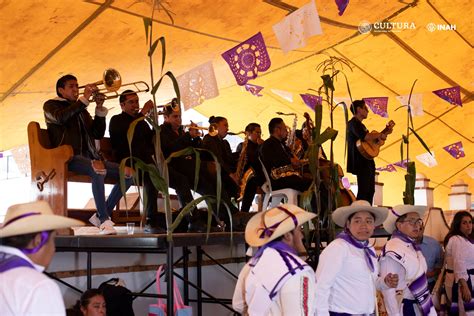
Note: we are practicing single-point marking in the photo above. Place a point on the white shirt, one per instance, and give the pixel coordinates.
(295, 297)
(28, 292)
(410, 266)
(344, 282)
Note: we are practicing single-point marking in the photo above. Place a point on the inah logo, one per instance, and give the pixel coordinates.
(440, 27)
(364, 27)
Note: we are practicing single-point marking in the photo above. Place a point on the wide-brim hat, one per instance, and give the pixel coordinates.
(400, 210)
(341, 214)
(266, 226)
(33, 217)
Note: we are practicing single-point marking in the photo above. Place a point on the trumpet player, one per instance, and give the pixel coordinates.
(69, 122)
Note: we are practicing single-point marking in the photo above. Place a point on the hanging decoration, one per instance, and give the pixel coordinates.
(451, 95)
(254, 89)
(288, 96)
(416, 103)
(248, 58)
(342, 5)
(378, 105)
(311, 100)
(402, 163)
(456, 150)
(294, 29)
(389, 168)
(428, 159)
(197, 85)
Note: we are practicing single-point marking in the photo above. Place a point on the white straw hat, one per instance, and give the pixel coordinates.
(33, 217)
(398, 211)
(266, 226)
(341, 214)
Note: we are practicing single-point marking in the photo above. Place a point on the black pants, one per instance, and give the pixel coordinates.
(178, 182)
(250, 191)
(366, 185)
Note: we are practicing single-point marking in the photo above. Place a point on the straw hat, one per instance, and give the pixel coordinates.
(341, 214)
(33, 217)
(266, 226)
(399, 210)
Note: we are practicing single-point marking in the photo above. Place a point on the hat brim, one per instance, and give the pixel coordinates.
(389, 223)
(253, 229)
(341, 214)
(35, 224)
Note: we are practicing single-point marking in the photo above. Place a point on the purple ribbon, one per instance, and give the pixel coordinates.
(9, 261)
(405, 238)
(268, 231)
(14, 219)
(368, 253)
(44, 240)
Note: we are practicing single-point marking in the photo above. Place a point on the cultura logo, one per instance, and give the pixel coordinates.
(365, 27)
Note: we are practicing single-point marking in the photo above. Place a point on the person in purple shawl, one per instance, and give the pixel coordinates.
(26, 249)
(347, 273)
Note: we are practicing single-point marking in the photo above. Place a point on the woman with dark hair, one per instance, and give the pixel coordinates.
(91, 303)
(221, 149)
(460, 265)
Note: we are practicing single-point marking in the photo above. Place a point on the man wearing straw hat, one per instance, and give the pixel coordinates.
(276, 281)
(347, 273)
(403, 256)
(26, 249)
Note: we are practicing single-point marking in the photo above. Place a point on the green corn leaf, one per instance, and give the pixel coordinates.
(421, 141)
(329, 133)
(147, 23)
(401, 149)
(328, 83)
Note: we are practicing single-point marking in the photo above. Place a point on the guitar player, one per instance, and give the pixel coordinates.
(357, 164)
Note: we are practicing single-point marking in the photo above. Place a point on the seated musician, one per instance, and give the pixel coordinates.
(173, 139)
(69, 123)
(221, 149)
(143, 149)
(253, 133)
(276, 154)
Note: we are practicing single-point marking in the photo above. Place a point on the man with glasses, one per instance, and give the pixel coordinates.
(357, 164)
(402, 255)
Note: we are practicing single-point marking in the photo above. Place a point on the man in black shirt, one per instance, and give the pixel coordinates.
(142, 148)
(357, 164)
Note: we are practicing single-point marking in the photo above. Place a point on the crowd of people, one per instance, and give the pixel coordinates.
(275, 281)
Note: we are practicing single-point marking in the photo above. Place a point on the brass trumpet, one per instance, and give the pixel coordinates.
(112, 82)
(211, 130)
(173, 104)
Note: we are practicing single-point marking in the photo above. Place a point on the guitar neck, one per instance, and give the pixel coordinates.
(387, 128)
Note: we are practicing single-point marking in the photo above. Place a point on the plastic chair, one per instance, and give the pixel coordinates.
(275, 197)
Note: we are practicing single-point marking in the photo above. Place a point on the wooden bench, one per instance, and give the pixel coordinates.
(49, 173)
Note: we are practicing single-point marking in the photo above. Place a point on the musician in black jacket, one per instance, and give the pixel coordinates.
(143, 148)
(276, 154)
(220, 147)
(69, 122)
(357, 164)
(174, 138)
(253, 133)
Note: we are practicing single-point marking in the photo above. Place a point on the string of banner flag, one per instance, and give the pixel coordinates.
(249, 58)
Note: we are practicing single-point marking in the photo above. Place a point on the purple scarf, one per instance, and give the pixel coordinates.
(405, 238)
(9, 261)
(368, 253)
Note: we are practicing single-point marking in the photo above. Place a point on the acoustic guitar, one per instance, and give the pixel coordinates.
(370, 149)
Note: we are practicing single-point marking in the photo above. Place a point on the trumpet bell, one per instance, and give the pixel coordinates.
(112, 80)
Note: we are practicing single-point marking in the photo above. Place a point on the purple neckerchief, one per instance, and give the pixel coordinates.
(9, 261)
(405, 238)
(20, 217)
(419, 289)
(268, 231)
(368, 253)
